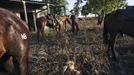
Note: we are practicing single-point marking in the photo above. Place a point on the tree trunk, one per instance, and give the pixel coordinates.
(100, 18)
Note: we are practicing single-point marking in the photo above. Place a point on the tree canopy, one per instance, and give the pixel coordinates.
(77, 7)
(98, 7)
(57, 10)
(102, 6)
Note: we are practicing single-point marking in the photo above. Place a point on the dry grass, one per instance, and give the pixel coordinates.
(85, 48)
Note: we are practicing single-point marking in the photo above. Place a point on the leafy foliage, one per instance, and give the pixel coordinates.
(77, 7)
(57, 1)
(85, 11)
(102, 6)
(57, 10)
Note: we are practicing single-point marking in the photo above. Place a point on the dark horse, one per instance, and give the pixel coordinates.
(75, 26)
(14, 44)
(119, 21)
(44, 21)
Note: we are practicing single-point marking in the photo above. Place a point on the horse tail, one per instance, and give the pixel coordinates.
(105, 32)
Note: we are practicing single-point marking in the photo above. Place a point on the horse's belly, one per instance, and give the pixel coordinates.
(131, 34)
(128, 29)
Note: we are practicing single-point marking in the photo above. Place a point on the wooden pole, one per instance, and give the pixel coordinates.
(64, 10)
(35, 17)
(48, 8)
(25, 11)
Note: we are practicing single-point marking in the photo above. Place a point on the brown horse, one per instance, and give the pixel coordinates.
(41, 23)
(62, 22)
(44, 21)
(14, 44)
(119, 21)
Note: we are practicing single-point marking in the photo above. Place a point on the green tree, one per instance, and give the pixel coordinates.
(58, 10)
(57, 1)
(76, 9)
(101, 7)
(85, 10)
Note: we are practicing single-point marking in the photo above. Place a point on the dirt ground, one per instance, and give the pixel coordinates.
(85, 48)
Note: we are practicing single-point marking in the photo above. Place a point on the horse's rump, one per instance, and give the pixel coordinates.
(14, 35)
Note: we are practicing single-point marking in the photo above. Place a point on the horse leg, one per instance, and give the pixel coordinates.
(65, 26)
(42, 34)
(43, 30)
(108, 49)
(38, 35)
(111, 45)
(20, 62)
(3, 64)
(59, 27)
(73, 27)
(77, 27)
(55, 28)
(8, 65)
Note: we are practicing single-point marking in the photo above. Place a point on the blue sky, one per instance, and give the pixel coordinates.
(71, 2)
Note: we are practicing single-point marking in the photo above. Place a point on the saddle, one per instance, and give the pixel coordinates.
(51, 22)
